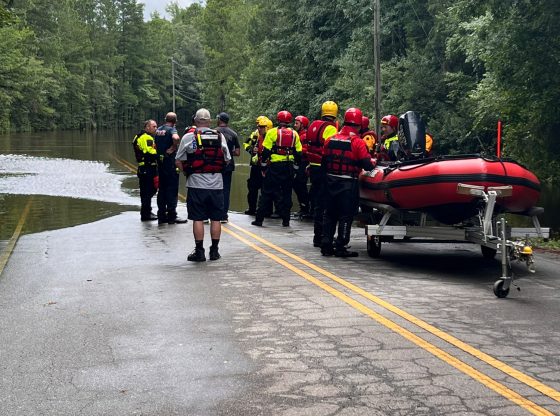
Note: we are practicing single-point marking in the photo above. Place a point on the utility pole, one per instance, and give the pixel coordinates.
(376, 60)
(173, 80)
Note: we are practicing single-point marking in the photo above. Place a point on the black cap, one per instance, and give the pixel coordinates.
(223, 117)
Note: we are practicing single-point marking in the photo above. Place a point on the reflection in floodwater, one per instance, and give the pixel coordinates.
(30, 175)
(51, 213)
(63, 192)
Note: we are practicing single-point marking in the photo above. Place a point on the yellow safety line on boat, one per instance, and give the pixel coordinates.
(510, 371)
(492, 384)
(15, 236)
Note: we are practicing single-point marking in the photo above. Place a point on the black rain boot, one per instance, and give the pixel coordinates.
(258, 221)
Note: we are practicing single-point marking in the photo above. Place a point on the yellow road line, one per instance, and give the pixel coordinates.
(125, 163)
(510, 371)
(15, 237)
(439, 353)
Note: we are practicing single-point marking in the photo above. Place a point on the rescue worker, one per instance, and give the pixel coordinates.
(300, 179)
(253, 145)
(345, 155)
(389, 138)
(233, 146)
(146, 156)
(368, 136)
(282, 148)
(317, 132)
(204, 153)
(167, 141)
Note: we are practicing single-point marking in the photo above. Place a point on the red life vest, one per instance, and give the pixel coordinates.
(285, 142)
(339, 159)
(260, 141)
(315, 140)
(208, 156)
(304, 144)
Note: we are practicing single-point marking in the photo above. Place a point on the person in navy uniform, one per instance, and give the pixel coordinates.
(167, 141)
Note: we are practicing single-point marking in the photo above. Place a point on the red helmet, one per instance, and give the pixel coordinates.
(391, 120)
(353, 116)
(303, 120)
(365, 123)
(284, 117)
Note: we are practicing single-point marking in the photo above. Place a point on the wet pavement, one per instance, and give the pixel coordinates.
(108, 318)
(101, 314)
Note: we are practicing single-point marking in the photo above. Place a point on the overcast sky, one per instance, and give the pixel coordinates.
(159, 6)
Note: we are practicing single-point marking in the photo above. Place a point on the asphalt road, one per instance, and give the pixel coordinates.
(109, 318)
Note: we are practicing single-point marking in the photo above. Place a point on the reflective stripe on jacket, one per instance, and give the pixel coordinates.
(274, 145)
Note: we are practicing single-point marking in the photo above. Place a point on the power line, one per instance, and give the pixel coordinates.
(186, 96)
(425, 34)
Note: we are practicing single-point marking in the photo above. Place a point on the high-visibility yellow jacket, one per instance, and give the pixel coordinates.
(270, 147)
(145, 149)
(389, 140)
(249, 145)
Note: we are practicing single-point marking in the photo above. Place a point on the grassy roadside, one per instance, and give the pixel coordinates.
(552, 244)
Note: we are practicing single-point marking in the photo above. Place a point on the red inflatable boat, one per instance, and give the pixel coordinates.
(430, 185)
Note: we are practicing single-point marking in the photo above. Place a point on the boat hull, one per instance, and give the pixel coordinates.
(431, 186)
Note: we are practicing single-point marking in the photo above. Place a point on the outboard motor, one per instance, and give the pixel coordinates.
(412, 135)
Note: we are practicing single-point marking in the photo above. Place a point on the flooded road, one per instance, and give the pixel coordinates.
(74, 178)
(104, 314)
(78, 177)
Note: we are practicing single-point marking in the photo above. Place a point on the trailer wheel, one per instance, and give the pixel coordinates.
(374, 247)
(488, 253)
(499, 290)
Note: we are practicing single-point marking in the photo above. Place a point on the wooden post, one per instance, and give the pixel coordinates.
(376, 59)
(173, 80)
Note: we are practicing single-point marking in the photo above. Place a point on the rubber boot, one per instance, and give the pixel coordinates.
(343, 238)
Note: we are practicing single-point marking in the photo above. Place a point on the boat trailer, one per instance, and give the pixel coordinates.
(488, 230)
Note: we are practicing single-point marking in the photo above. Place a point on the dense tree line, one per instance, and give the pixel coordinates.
(463, 64)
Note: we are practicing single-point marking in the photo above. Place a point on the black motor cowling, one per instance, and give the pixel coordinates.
(412, 135)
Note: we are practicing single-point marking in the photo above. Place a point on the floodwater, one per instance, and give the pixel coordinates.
(69, 178)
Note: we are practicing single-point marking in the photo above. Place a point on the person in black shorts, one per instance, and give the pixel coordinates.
(203, 154)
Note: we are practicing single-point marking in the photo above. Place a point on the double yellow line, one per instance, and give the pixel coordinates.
(131, 167)
(494, 385)
(436, 351)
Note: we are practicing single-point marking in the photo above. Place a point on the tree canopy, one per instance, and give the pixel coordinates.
(463, 64)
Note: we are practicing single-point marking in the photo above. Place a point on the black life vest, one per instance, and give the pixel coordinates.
(338, 156)
(285, 142)
(208, 156)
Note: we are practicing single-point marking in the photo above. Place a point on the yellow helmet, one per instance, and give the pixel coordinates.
(329, 108)
(268, 124)
(261, 120)
(527, 250)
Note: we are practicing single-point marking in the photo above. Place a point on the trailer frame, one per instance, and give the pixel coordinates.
(487, 229)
